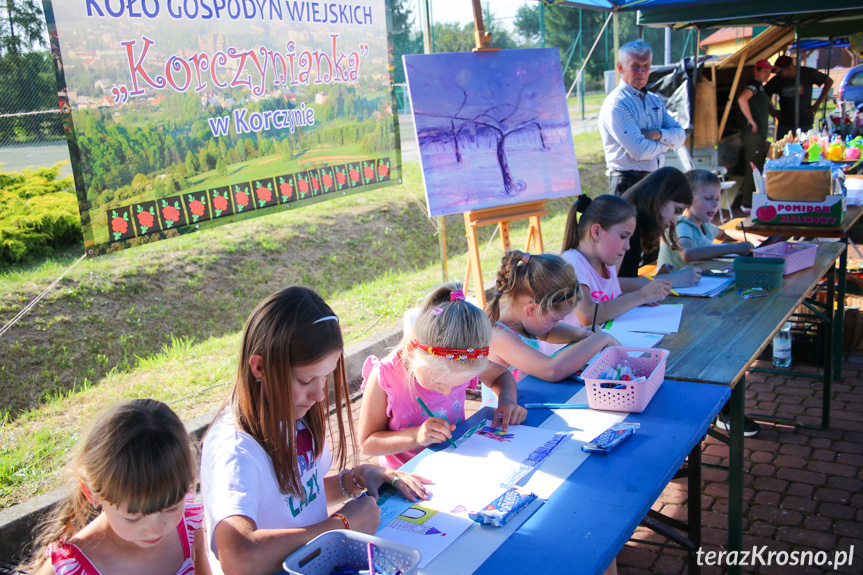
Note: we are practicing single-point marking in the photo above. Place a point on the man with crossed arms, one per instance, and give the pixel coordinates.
(635, 127)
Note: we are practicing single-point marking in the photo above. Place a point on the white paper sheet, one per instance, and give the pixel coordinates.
(464, 479)
(656, 319)
(707, 287)
(471, 550)
(634, 338)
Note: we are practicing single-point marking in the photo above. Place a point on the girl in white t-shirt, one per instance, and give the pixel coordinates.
(594, 244)
(264, 458)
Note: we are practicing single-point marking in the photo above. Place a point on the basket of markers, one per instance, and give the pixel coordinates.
(624, 378)
(343, 552)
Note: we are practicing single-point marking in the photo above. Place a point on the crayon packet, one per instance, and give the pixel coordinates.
(504, 507)
(611, 438)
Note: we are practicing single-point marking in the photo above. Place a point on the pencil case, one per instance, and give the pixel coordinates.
(339, 548)
(628, 396)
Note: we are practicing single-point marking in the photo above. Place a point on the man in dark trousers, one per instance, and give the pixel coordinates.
(635, 127)
(784, 83)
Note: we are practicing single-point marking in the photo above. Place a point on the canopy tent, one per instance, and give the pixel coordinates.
(813, 19)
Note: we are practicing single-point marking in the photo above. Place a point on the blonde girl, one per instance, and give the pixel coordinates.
(533, 294)
(444, 354)
(265, 456)
(130, 510)
(594, 245)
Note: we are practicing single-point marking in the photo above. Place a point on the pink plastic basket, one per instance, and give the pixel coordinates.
(797, 256)
(645, 362)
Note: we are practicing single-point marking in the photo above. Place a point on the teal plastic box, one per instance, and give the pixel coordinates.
(758, 272)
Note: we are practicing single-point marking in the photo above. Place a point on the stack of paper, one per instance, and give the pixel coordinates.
(707, 287)
(645, 319)
(633, 338)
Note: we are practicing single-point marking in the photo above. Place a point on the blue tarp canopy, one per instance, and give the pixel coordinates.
(814, 44)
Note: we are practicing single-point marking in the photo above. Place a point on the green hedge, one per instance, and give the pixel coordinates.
(38, 213)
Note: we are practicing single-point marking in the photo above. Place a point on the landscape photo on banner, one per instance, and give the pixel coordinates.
(183, 114)
(493, 128)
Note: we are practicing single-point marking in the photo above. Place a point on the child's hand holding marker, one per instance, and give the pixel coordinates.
(656, 291)
(434, 430)
(687, 277)
(363, 514)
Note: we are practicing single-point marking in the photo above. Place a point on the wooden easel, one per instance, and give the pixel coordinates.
(501, 216)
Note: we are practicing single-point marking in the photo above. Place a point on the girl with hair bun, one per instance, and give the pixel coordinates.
(444, 354)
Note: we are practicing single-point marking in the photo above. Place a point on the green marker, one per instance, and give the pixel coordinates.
(430, 414)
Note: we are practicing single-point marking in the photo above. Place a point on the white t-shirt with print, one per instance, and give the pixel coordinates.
(238, 478)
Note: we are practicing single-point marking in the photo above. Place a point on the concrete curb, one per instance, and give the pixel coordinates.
(18, 522)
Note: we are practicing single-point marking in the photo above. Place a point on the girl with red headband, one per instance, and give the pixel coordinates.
(444, 354)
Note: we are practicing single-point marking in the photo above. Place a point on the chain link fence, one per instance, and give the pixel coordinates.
(31, 130)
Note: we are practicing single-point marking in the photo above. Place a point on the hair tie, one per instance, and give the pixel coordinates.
(456, 295)
(437, 311)
(582, 203)
(498, 292)
(326, 318)
(525, 257)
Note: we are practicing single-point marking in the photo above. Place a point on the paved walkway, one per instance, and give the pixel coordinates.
(804, 485)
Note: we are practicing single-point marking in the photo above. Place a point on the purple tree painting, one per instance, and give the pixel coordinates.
(493, 128)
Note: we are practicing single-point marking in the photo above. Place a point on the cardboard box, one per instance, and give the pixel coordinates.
(798, 185)
(830, 212)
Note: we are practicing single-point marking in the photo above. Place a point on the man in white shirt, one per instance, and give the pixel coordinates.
(636, 128)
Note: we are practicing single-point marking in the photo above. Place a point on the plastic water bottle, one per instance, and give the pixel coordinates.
(782, 347)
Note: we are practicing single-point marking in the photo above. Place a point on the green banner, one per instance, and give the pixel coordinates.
(183, 114)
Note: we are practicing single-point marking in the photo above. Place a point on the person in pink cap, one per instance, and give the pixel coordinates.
(754, 105)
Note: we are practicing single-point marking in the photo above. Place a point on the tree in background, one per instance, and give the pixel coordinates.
(453, 37)
(527, 24)
(22, 26)
(405, 40)
(561, 31)
(28, 76)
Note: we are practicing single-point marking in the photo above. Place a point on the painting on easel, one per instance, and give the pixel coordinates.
(493, 128)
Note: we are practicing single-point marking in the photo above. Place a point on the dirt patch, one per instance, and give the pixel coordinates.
(97, 323)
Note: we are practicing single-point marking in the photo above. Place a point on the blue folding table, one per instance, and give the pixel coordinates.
(587, 520)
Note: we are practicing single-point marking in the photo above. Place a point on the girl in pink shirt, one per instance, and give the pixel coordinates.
(445, 353)
(131, 510)
(594, 244)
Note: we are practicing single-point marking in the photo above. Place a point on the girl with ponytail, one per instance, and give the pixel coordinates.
(533, 294)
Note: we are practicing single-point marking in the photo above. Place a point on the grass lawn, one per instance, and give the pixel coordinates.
(164, 320)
